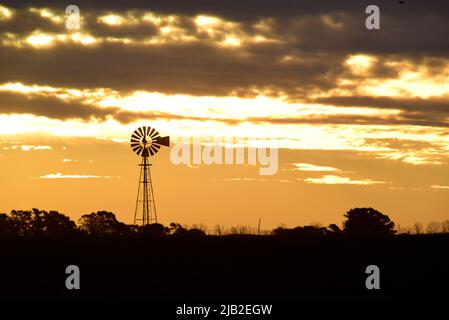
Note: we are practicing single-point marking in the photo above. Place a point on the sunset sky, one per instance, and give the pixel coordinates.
(360, 117)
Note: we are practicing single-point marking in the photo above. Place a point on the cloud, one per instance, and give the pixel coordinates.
(63, 105)
(314, 57)
(28, 147)
(312, 167)
(294, 49)
(102, 104)
(5, 13)
(245, 179)
(411, 105)
(306, 53)
(332, 179)
(436, 186)
(59, 175)
(50, 106)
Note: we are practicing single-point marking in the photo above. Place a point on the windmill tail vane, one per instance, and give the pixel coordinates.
(146, 142)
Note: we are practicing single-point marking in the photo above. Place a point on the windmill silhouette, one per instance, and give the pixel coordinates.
(146, 142)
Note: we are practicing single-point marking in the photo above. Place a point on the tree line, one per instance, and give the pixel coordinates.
(40, 223)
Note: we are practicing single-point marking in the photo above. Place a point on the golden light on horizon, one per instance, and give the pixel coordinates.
(187, 115)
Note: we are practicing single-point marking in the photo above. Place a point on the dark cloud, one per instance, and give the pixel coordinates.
(403, 144)
(55, 108)
(414, 111)
(203, 68)
(25, 22)
(411, 105)
(247, 9)
(191, 69)
(402, 119)
(50, 107)
(416, 32)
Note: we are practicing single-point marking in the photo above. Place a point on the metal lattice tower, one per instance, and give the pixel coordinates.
(146, 142)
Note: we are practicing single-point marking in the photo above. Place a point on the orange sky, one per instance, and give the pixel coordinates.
(358, 119)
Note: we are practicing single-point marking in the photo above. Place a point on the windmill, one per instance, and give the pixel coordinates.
(146, 142)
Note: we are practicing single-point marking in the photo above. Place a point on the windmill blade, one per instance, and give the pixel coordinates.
(138, 150)
(141, 131)
(134, 141)
(153, 149)
(137, 132)
(151, 131)
(136, 135)
(163, 141)
(155, 134)
(147, 131)
(136, 147)
(134, 144)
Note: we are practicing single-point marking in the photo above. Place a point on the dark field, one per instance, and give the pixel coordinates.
(213, 268)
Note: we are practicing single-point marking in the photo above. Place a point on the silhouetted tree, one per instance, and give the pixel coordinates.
(433, 227)
(22, 222)
(195, 232)
(334, 228)
(102, 223)
(306, 232)
(40, 223)
(418, 227)
(178, 230)
(5, 225)
(154, 229)
(367, 222)
(53, 223)
(219, 230)
(445, 226)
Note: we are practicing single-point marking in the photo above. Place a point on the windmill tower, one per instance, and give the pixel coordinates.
(146, 142)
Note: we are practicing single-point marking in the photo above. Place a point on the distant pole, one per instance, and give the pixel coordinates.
(258, 227)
